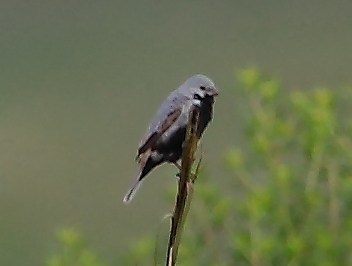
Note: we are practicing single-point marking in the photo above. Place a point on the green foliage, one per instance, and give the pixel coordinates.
(292, 187)
(294, 209)
(73, 251)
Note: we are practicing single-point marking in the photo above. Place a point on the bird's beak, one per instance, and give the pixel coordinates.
(213, 92)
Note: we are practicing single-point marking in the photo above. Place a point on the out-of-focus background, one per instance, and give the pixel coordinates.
(80, 81)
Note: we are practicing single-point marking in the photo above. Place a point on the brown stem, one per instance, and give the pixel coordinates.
(183, 195)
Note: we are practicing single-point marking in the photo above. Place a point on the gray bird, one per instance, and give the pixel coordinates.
(165, 135)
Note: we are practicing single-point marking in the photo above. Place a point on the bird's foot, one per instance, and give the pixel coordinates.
(178, 166)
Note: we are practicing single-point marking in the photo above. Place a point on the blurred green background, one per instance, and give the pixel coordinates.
(80, 81)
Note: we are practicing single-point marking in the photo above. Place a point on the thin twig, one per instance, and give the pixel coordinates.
(185, 189)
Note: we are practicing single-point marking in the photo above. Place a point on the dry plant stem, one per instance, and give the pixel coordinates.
(179, 215)
(155, 257)
(187, 207)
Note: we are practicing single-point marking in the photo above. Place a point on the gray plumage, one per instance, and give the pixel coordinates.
(163, 139)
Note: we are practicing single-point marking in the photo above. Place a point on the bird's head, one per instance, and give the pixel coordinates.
(200, 87)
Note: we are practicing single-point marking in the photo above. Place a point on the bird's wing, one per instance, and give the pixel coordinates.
(159, 131)
(169, 111)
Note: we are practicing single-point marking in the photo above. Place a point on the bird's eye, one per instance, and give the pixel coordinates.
(202, 88)
(197, 97)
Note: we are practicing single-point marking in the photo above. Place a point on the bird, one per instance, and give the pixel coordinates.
(164, 137)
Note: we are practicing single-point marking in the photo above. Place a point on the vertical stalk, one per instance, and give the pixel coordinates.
(185, 189)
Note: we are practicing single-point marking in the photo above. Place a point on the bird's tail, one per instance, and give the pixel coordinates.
(133, 190)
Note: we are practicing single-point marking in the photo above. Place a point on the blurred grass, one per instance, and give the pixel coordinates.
(75, 76)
